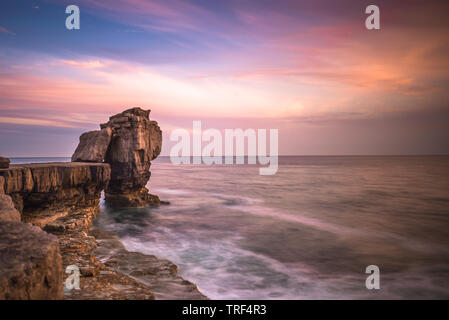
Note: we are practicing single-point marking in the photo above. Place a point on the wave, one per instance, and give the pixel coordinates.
(171, 191)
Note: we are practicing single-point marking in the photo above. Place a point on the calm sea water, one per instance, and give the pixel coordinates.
(307, 232)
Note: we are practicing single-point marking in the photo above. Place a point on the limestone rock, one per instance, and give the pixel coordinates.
(7, 210)
(155, 140)
(135, 142)
(93, 146)
(4, 163)
(44, 186)
(30, 263)
(160, 275)
(138, 198)
(2, 185)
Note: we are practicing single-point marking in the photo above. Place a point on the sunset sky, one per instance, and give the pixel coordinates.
(308, 68)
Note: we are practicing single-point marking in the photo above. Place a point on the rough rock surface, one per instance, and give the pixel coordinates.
(4, 162)
(2, 185)
(45, 194)
(63, 200)
(97, 281)
(40, 187)
(135, 142)
(159, 274)
(7, 210)
(30, 263)
(93, 146)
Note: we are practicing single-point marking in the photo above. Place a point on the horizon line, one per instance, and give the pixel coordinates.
(281, 155)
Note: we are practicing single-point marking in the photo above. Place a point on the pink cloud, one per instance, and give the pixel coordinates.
(90, 64)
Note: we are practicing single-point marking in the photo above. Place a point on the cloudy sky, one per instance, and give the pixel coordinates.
(307, 68)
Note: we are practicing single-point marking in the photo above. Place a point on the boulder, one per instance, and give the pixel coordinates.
(7, 210)
(93, 146)
(4, 163)
(30, 263)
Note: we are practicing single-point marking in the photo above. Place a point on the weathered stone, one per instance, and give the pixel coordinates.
(97, 281)
(135, 142)
(63, 199)
(93, 146)
(7, 210)
(160, 275)
(54, 186)
(30, 263)
(155, 140)
(138, 198)
(2, 185)
(4, 162)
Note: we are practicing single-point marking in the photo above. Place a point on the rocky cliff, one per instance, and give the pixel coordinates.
(45, 195)
(47, 211)
(39, 188)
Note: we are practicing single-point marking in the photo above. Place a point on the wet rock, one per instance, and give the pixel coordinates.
(30, 263)
(109, 285)
(71, 226)
(93, 146)
(139, 198)
(97, 281)
(135, 142)
(7, 210)
(4, 163)
(160, 275)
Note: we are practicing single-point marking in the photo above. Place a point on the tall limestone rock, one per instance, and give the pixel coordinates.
(135, 142)
(128, 142)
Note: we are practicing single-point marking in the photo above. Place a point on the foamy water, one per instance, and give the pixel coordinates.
(307, 232)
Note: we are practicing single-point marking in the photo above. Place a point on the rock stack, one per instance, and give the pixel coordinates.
(47, 209)
(128, 142)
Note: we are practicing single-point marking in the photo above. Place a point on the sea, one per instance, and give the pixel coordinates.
(311, 231)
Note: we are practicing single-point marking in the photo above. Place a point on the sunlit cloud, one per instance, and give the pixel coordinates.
(34, 122)
(91, 64)
(297, 65)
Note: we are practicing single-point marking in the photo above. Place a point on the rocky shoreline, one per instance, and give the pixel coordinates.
(47, 211)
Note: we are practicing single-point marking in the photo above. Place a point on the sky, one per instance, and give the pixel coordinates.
(307, 68)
